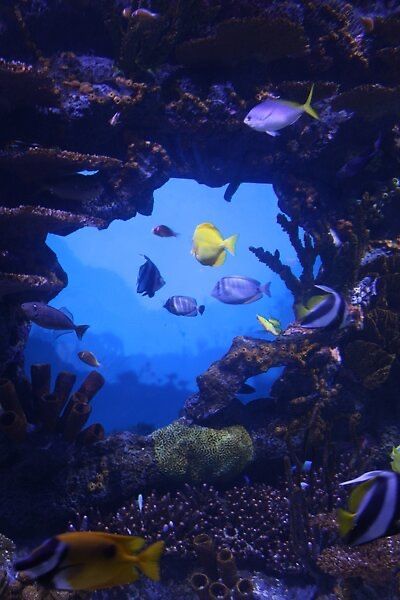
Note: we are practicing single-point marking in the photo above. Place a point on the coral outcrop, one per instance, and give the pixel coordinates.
(195, 454)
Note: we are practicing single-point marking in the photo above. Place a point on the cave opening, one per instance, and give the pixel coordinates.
(150, 358)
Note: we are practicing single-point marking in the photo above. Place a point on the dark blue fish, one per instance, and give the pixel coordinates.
(149, 280)
(359, 162)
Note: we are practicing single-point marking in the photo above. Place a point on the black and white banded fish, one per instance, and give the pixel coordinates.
(373, 508)
(184, 306)
(331, 311)
(149, 279)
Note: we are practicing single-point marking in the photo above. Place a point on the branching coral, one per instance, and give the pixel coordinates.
(195, 454)
(306, 252)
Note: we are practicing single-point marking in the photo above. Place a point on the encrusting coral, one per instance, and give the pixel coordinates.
(373, 563)
(195, 454)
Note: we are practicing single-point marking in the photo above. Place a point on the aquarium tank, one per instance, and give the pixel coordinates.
(199, 299)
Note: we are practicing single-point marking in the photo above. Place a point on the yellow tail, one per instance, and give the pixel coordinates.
(149, 560)
(307, 105)
(230, 243)
(346, 521)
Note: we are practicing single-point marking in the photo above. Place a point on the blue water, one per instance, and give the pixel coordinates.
(150, 358)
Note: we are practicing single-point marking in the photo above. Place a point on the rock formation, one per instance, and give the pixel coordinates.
(132, 99)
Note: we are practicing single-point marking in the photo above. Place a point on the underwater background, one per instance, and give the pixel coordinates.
(199, 299)
(151, 359)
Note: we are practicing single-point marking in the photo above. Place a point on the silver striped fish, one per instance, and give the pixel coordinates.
(237, 289)
(183, 306)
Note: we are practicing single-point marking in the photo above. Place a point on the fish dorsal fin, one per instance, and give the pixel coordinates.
(130, 543)
(326, 289)
(346, 522)
(67, 313)
(366, 477)
(358, 494)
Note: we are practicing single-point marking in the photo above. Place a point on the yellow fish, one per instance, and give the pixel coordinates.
(395, 456)
(271, 325)
(90, 560)
(209, 247)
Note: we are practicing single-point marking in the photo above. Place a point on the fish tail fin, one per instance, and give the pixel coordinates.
(201, 309)
(266, 289)
(149, 560)
(80, 330)
(345, 521)
(307, 105)
(230, 243)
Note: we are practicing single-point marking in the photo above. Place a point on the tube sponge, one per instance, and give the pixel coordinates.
(195, 454)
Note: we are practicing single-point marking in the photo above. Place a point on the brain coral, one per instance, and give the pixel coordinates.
(195, 454)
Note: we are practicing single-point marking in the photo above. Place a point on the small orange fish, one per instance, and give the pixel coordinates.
(164, 231)
(89, 358)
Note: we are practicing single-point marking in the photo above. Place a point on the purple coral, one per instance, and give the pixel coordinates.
(251, 520)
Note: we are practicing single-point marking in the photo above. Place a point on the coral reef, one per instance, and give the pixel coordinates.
(143, 100)
(195, 454)
(375, 563)
(137, 101)
(253, 521)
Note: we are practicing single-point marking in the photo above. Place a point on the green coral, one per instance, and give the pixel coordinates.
(194, 454)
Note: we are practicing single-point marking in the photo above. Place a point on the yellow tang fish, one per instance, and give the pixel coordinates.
(271, 325)
(209, 247)
(90, 560)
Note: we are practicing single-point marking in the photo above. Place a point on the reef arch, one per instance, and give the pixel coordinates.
(136, 102)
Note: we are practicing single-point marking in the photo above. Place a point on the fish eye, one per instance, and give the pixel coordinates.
(35, 306)
(109, 551)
